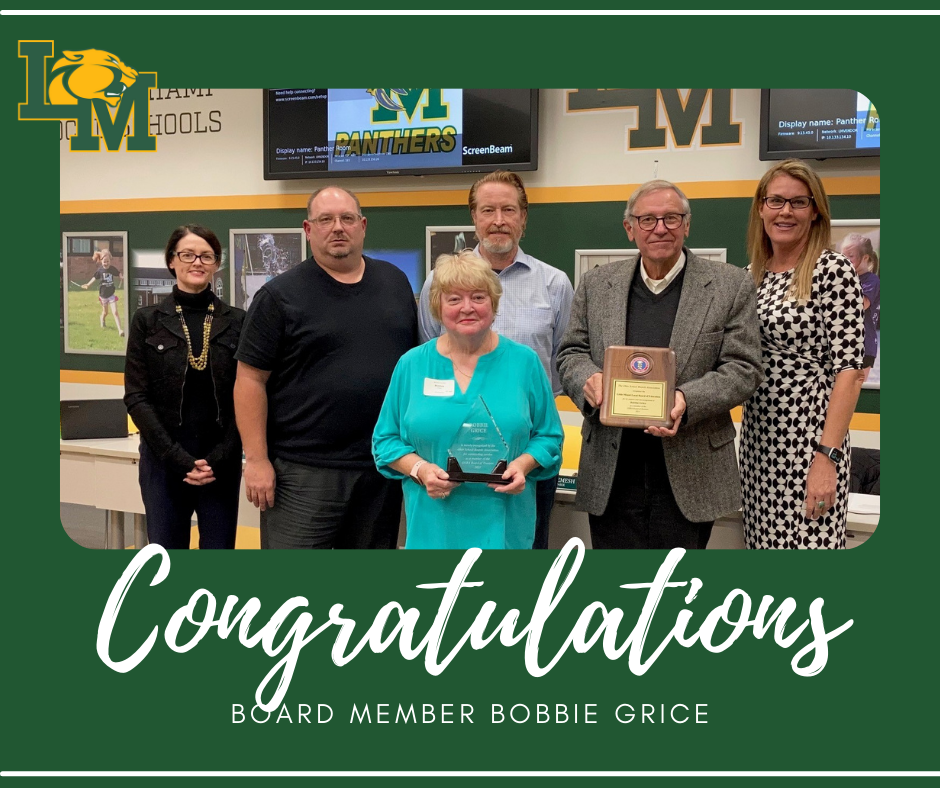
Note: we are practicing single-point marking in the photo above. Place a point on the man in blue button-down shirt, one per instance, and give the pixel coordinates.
(536, 299)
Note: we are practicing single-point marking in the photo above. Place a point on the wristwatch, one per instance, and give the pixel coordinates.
(836, 455)
(414, 471)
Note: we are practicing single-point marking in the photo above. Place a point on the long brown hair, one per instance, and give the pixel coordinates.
(759, 248)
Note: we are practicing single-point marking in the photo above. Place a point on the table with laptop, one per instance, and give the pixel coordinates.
(98, 461)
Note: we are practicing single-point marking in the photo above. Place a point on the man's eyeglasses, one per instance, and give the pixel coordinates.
(188, 257)
(796, 203)
(326, 220)
(672, 221)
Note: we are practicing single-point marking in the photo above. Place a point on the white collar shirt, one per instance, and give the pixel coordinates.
(657, 286)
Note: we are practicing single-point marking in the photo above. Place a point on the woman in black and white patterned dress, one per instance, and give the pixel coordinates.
(795, 435)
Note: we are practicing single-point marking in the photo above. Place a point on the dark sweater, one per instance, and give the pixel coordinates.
(651, 316)
(200, 430)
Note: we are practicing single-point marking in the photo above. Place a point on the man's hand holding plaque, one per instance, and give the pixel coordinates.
(678, 411)
(639, 389)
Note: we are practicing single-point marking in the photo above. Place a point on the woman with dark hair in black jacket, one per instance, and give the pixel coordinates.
(178, 382)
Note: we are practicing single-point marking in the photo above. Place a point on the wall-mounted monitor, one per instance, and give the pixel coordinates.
(327, 133)
(817, 124)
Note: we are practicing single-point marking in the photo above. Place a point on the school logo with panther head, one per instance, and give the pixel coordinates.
(89, 74)
(388, 97)
(86, 85)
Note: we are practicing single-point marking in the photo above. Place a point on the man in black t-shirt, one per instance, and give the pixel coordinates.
(315, 359)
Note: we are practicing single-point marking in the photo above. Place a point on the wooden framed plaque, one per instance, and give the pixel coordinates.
(639, 386)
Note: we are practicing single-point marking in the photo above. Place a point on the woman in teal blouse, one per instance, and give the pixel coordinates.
(433, 389)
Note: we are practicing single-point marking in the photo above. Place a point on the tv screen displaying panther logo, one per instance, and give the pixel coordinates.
(89, 74)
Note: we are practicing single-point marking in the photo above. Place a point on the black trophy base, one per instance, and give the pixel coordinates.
(457, 475)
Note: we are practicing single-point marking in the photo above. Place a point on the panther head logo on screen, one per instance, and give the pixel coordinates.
(89, 74)
(388, 97)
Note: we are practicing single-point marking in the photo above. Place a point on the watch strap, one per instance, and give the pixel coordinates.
(414, 471)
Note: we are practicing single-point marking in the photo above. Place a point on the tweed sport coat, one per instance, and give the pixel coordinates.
(716, 338)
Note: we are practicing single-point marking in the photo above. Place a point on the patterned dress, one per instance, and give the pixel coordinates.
(804, 346)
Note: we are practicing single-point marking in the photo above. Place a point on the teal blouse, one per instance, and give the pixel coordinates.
(512, 382)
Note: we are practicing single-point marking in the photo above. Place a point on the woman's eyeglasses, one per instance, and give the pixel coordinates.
(796, 203)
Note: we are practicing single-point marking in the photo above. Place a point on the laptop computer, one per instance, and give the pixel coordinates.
(92, 418)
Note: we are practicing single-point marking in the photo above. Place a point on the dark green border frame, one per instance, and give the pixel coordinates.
(870, 709)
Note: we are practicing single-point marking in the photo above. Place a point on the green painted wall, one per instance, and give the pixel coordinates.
(554, 232)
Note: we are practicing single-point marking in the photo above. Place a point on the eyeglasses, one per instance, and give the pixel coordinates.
(671, 221)
(189, 257)
(796, 203)
(326, 220)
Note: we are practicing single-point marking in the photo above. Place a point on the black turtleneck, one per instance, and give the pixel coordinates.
(199, 432)
(195, 306)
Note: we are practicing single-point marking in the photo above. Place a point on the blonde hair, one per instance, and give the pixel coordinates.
(759, 248)
(462, 271)
(865, 248)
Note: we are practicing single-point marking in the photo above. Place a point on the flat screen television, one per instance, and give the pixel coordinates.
(327, 133)
(817, 124)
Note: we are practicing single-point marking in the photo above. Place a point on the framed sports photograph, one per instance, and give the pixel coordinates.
(860, 241)
(446, 240)
(94, 292)
(257, 256)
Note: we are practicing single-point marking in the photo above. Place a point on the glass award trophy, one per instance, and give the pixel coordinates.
(478, 452)
(639, 387)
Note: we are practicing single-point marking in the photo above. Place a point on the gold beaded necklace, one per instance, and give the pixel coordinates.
(199, 364)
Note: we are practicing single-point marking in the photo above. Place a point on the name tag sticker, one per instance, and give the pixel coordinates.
(438, 388)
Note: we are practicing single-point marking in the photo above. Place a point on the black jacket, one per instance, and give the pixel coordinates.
(154, 373)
